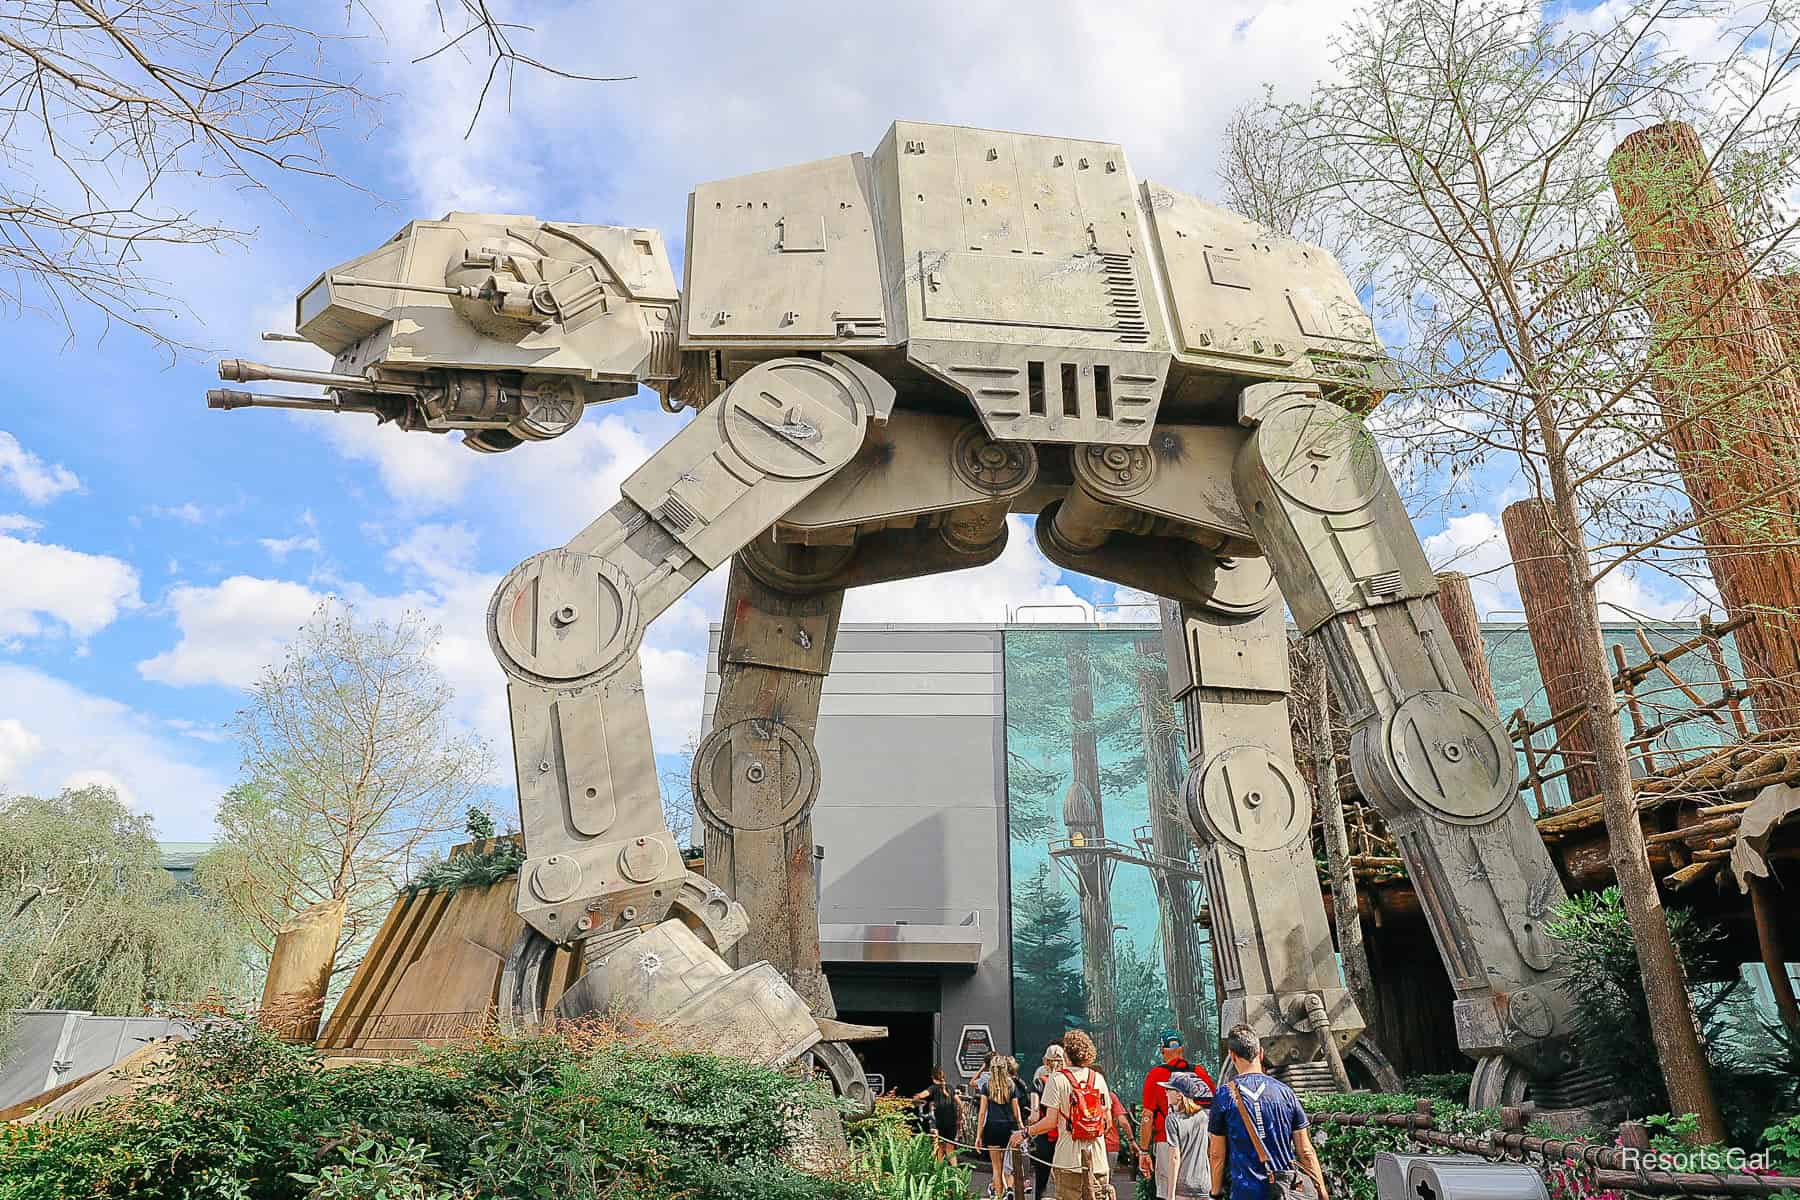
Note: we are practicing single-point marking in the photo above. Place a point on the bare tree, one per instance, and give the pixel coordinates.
(1271, 177)
(121, 122)
(1316, 742)
(1462, 147)
(353, 770)
(678, 791)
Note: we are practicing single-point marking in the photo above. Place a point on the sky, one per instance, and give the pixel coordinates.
(155, 556)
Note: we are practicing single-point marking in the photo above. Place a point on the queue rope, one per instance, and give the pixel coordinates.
(1029, 1157)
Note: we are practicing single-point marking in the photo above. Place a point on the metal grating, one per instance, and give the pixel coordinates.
(676, 516)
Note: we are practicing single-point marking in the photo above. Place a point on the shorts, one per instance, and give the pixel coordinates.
(946, 1128)
(1080, 1185)
(996, 1137)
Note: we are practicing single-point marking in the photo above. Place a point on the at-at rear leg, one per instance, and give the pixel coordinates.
(756, 774)
(1441, 770)
(1251, 814)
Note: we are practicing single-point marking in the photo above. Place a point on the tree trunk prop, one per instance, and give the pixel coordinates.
(1728, 396)
(1457, 603)
(1169, 839)
(1346, 908)
(1550, 602)
(1084, 818)
(300, 971)
(1551, 559)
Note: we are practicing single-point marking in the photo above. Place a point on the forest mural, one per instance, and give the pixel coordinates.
(1103, 902)
(1102, 915)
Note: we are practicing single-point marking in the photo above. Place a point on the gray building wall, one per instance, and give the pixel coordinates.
(911, 812)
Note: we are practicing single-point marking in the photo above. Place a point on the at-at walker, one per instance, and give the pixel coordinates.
(884, 356)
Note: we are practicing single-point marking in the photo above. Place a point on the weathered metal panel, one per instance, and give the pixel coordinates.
(787, 255)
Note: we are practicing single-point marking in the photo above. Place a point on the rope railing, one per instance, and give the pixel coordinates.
(1619, 1167)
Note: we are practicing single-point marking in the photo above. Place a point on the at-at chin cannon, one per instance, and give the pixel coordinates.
(884, 356)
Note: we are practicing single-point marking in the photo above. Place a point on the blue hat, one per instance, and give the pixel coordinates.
(1169, 1038)
(1190, 1085)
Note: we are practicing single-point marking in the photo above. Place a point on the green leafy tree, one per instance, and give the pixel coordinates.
(1596, 945)
(1142, 1003)
(1048, 993)
(90, 919)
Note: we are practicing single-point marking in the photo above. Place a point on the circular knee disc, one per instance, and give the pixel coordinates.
(560, 617)
(1249, 798)
(793, 418)
(755, 774)
(1320, 456)
(1451, 755)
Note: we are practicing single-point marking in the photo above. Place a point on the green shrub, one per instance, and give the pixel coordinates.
(1598, 950)
(1447, 1085)
(1782, 1141)
(469, 870)
(905, 1166)
(1347, 1152)
(371, 1171)
(236, 1115)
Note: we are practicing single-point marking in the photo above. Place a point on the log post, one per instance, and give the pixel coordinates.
(1457, 602)
(300, 971)
(1549, 604)
(1768, 941)
(1728, 395)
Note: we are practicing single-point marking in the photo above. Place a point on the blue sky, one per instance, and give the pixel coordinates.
(159, 553)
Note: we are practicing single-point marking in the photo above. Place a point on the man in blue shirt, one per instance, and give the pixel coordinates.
(1280, 1122)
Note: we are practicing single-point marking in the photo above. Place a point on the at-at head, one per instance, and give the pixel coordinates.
(503, 327)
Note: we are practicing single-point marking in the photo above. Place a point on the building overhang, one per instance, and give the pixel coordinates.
(945, 947)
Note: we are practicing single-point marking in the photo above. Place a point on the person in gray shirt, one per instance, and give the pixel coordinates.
(1190, 1170)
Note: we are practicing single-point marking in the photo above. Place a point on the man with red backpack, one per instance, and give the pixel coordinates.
(1078, 1106)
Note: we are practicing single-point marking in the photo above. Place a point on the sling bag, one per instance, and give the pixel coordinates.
(1283, 1185)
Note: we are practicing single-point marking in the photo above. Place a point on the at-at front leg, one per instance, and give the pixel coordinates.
(1251, 816)
(1441, 770)
(566, 625)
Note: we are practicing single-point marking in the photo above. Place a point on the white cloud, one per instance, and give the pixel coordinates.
(280, 548)
(1475, 544)
(18, 523)
(1633, 595)
(38, 481)
(198, 731)
(230, 631)
(50, 587)
(17, 746)
(420, 469)
(745, 76)
(89, 777)
(1020, 576)
(81, 737)
(188, 513)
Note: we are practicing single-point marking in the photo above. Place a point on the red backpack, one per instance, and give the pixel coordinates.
(1087, 1108)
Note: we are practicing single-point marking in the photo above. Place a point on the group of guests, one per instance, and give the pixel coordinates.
(1198, 1140)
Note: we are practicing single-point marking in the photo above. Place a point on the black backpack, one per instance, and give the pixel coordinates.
(943, 1103)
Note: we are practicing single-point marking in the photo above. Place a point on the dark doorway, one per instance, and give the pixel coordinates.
(905, 1057)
